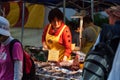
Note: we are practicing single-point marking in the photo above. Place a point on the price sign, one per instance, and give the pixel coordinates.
(53, 55)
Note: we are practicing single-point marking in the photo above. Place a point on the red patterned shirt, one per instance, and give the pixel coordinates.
(65, 38)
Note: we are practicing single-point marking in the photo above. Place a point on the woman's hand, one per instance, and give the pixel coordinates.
(65, 58)
(45, 47)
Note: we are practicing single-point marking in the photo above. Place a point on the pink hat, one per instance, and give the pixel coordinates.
(114, 10)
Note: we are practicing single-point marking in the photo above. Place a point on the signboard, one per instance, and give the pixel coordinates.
(53, 55)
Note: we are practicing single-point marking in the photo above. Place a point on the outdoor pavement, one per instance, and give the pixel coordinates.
(30, 36)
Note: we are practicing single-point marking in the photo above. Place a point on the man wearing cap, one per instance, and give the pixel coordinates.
(10, 69)
(89, 34)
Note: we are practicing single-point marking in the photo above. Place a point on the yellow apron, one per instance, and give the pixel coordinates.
(53, 42)
(90, 44)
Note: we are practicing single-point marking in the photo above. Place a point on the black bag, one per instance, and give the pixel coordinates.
(98, 61)
(28, 63)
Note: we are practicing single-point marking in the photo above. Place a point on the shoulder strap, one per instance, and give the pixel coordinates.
(61, 31)
(11, 46)
(96, 31)
(93, 29)
(106, 33)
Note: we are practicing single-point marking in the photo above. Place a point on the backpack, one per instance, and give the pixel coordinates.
(98, 62)
(28, 63)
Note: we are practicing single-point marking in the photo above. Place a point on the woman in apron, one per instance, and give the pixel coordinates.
(57, 35)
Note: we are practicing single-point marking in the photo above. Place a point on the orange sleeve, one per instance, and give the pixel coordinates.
(67, 41)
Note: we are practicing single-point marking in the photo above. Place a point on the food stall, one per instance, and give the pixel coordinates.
(50, 70)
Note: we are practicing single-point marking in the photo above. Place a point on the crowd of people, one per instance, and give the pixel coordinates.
(57, 36)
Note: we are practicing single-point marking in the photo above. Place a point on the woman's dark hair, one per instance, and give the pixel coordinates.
(55, 13)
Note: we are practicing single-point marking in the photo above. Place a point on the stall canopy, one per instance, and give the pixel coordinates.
(75, 3)
(79, 4)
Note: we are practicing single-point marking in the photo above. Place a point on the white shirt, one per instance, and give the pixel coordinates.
(115, 73)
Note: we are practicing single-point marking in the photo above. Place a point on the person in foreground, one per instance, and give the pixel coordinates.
(114, 18)
(57, 35)
(10, 68)
(114, 22)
